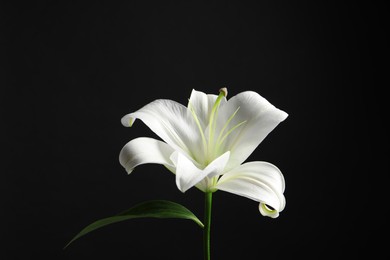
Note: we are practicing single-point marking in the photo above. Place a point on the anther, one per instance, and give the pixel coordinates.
(223, 91)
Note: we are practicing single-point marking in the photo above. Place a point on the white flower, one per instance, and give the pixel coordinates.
(206, 144)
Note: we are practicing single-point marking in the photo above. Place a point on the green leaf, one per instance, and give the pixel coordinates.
(148, 209)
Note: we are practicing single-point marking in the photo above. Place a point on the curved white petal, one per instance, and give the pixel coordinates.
(172, 122)
(202, 104)
(259, 181)
(266, 211)
(254, 118)
(145, 150)
(188, 175)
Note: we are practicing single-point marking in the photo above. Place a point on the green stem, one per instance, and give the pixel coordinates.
(207, 224)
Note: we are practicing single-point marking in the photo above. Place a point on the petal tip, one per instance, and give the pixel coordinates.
(267, 211)
(283, 115)
(127, 121)
(180, 185)
(129, 171)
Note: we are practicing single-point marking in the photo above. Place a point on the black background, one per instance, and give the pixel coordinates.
(71, 71)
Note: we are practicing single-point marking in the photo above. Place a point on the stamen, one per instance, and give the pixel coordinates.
(230, 131)
(224, 91)
(199, 126)
(213, 116)
(226, 124)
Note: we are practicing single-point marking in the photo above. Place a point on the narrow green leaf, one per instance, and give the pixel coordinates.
(148, 209)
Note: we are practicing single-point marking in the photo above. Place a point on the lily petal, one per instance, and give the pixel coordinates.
(202, 104)
(259, 181)
(266, 211)
(172, 122)
(254, 118)
(144, 150)
(188, 175)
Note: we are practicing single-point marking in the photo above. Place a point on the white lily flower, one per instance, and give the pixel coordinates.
(206, 143)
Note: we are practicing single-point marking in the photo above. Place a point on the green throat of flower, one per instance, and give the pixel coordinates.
(212, 144)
